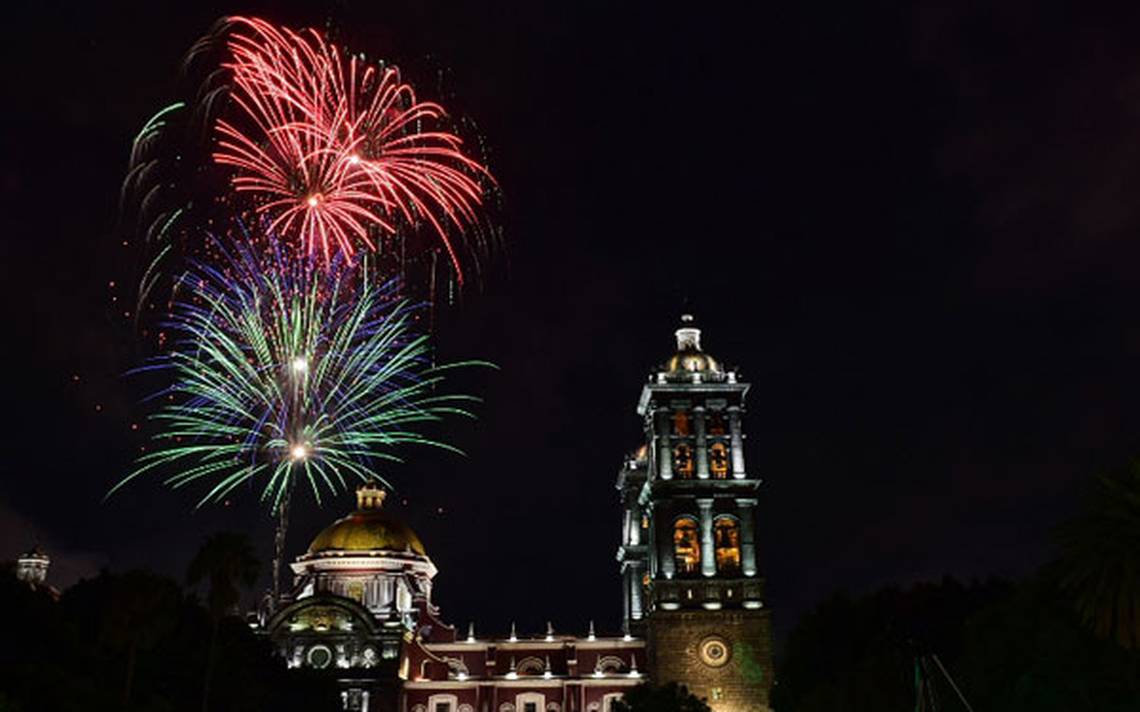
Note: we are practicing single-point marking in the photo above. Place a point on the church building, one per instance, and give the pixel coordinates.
(693, 599)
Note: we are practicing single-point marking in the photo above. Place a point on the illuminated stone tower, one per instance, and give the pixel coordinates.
(688, 552)
(32, 567)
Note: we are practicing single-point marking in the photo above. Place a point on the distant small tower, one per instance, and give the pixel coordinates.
(688, 551)
(32, 567)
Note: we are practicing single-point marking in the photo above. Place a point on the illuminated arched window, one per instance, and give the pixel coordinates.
(681, 423)
(718, 461)
(683, 461)
(686, 546)
(716, 424)
(726, 539)
(531, 666)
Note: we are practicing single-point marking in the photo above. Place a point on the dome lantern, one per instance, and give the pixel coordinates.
(690, 358)
(370, 496)
(688, 336)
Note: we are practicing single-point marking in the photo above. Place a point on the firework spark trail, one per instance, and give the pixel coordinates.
(285, 372)
(334, 146)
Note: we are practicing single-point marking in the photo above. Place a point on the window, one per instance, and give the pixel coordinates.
(726, 537)
(683, 461)
(442, 703)
(531, 666)
(530, 702)
(686, 546)
(681, 423)
(718, 461)
(716, 424)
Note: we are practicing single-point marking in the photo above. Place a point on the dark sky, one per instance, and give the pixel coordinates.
(915, 230)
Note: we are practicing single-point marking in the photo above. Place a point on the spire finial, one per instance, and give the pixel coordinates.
(592, 635)
(514, 636)
(471, 632)
(549, 631)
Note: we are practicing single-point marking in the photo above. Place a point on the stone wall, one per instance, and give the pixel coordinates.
(723, 656)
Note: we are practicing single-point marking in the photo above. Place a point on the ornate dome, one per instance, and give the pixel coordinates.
(369, 528)
(689, 356)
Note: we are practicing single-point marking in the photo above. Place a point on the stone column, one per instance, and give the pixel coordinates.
(664, 544)
(636, 608)
(627, 599)
(737, 443)
(651, 544)
(702, 444)
(664, 444)
(708, 551)
(747, 511)
(634, 524)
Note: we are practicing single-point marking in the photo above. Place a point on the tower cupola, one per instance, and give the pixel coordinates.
(689, 357)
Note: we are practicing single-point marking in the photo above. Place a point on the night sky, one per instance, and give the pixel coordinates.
(916, 231)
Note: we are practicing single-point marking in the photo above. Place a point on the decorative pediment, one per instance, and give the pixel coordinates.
(324, 613)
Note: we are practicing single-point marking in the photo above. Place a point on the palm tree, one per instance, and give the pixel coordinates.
(226, 560)
(142, 607)
(1099, 562)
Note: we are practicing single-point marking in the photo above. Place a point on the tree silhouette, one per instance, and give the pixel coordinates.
(1099, 561)
(670, 697)
(226, 560)
(141, 608)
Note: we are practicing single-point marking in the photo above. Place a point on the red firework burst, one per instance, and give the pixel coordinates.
(335, 148)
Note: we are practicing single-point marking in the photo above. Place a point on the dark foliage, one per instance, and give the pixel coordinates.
(1030, 651)
(1008, 647)
(135, 641)
(665, 698)
(1099, 561)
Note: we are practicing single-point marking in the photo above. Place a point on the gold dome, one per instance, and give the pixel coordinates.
(367, 529)
(691, 361)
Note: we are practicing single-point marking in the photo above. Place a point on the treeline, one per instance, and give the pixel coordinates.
(137, 641)
(1065, 639)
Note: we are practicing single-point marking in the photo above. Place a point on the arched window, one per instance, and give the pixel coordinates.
(718, 461)
(531, 666)
(681, 423)
(726, 538)
(683, 461)
(686, 546)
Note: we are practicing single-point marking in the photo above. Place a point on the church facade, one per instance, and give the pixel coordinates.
(692, 595)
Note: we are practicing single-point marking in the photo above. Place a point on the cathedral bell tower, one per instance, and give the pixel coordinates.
(688, 555)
